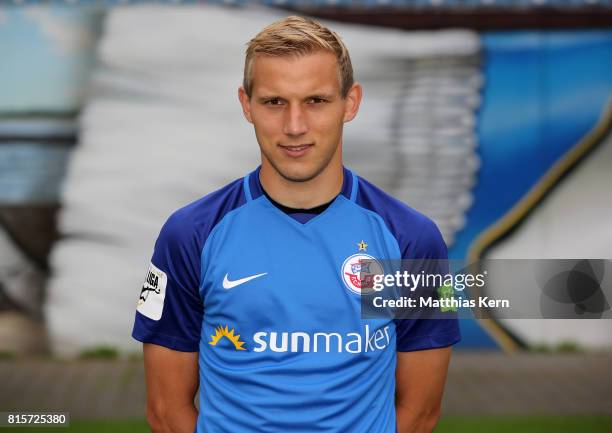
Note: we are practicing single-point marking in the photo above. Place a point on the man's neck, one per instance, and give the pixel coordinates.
(303, 195)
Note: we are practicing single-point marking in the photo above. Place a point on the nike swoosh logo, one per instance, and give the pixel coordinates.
(227, 284)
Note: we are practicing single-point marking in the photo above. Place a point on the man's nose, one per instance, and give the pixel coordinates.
(295, 121)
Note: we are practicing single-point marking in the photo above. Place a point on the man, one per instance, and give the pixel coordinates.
(249, 292)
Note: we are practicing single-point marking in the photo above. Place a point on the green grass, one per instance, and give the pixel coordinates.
(525, 424)
(567, 346)
(100, 352)
(129, 426)
(6, 355)
(454, 424)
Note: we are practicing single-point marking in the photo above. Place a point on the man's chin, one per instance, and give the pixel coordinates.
(302, 173)
(298, 176)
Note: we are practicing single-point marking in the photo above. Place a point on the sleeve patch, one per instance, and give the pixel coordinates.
(153, 293)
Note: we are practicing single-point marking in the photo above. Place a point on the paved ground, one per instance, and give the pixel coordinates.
(529, 384)
(477, 384)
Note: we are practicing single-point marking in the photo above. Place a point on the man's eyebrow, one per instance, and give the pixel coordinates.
(265, 98)
(322, 95)
(319, 95)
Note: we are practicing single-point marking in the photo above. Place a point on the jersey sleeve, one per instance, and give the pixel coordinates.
(170, 308)
(421, 334)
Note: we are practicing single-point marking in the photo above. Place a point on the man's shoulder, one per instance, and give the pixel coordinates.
(416, 233)
(198, 218)
(390, 208)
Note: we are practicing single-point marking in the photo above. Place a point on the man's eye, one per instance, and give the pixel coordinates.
(275, 101)
(316, 100)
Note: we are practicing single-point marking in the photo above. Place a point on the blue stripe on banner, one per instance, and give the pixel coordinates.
(31, 172)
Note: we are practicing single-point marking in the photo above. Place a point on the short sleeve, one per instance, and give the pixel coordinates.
(170, 309)
(422, 334)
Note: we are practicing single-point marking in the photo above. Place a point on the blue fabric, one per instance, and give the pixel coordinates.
(418, 238)
(177, 253)
(282, 344)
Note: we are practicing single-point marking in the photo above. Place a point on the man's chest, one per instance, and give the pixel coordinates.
(292, 288)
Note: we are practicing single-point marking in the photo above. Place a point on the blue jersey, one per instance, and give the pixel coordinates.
(269, 302)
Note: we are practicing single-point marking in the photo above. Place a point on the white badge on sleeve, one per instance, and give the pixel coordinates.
(153, 293)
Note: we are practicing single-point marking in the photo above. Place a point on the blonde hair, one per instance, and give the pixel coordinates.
(297, 36)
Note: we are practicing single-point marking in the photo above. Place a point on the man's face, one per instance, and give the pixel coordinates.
(298, 112)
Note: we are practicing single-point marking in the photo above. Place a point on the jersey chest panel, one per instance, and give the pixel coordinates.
(264, 272)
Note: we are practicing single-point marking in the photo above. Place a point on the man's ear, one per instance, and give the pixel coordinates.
(353, 99)
(245, 103)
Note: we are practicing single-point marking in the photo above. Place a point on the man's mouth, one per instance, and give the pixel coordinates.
(296, 151)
